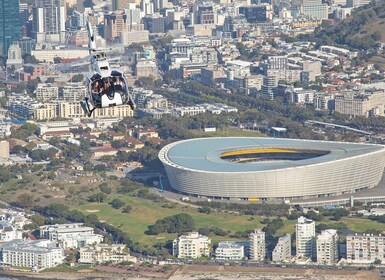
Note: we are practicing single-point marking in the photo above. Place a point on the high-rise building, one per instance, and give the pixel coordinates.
(50, 20)
(282, 251)
(193, 245)
(365, 248)
(269, 86)
(115, 24)
(305, 237)
(315, 9)
(122, 4)
(9, 24)
(146, 7)
(4, 149)
(257, 249)
(327, 247)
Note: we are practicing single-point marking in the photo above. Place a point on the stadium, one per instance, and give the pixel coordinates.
(271, 168)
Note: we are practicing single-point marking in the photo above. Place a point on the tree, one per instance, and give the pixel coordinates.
(204, 209)
(105, 188)
(178, 223)
(98, 197)
(117, 203)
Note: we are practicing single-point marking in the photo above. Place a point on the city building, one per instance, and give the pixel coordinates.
(365, 248)
(115, 24)
(257, 245)
(73, 92)
(8, 232)
(9, 25)
(192, 245)
(327, 247)
(102, 253)
(4, 149)
(60, 231)
(357, 104)
(305, 238)
(282, 251)
(35, 254)
(315, 9)
(47, 91)
(230, 250)
(50, 17)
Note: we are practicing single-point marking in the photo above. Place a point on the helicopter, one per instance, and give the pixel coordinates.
(106, 87)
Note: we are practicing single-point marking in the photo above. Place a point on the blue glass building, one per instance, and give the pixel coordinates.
(9, 24)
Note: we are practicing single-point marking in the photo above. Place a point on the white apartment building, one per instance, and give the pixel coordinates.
(39, 254)
(192, 245)
(257, 249)
(8, 232)
(73, 92)
(189, 111)
(305, 237)
(365, 248)
(58, 231)
(327, 247)
(282, 251)
(230, 250)
(47, 91)
(102, 253)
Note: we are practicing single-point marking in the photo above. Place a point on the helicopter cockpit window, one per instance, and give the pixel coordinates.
(109, 86)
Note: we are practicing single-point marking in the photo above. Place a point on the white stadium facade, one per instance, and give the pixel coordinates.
(271, 168)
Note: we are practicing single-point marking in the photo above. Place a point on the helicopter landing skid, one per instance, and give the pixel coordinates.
(86, 107)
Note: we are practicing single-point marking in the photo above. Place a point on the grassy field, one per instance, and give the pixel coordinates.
(145, 213)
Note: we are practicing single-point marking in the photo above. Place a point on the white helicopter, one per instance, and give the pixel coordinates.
(106, 87)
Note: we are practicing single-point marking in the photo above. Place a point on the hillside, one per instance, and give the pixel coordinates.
(363, 30)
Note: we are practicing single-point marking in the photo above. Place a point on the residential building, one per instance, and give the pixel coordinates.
(59, 231)
(305, 238)
(282, 251)
(4, 149)
(365, 248)
(101, 253)
(230, 250)
(356, 104)
(9, 25)
(257, 249)
(315, 9)
(8, 232)
(37, 254)
(98, 152)
(50, 20)
(314, 69)
(47, 91)
(327, 247)
(192, 245)
(73, 92)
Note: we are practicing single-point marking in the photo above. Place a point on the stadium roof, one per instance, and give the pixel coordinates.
(203, 154)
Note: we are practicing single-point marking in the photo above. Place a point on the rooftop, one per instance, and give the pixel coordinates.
(204, 154)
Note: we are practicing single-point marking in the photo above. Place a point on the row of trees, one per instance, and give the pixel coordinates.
(178, 223)
(248, 209)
